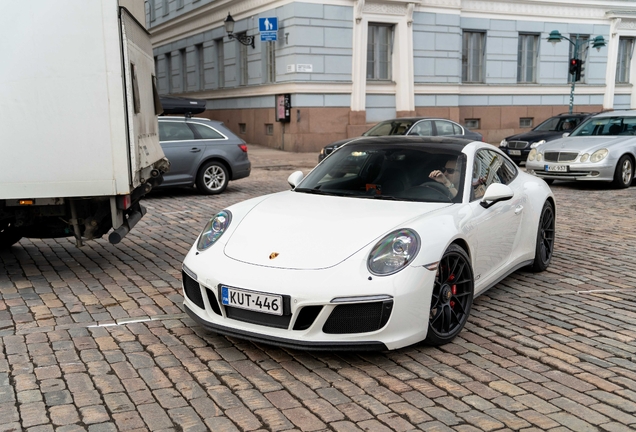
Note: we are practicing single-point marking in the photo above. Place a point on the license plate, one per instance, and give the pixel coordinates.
(252, 300)
(515, 152)
(556, 168)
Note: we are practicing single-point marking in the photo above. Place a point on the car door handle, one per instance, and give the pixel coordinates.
(194, 149)
(519, 209)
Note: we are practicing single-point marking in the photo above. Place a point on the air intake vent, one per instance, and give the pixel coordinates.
(358, 318)
(192, 290)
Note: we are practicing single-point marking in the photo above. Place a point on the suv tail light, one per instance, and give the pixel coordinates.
(243, 147)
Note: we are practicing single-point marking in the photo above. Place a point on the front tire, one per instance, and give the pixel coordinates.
(212, 178)
(545, 239)
(8, 235)
(624, 173)
(452, 297)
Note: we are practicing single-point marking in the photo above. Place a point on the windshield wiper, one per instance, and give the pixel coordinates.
(316, 191)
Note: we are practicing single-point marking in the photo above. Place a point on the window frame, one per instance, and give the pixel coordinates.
(375, 70)
(243, 77)
(624, 57)
(270, 62)
(468, 57)
(220, 62)
(522, 58)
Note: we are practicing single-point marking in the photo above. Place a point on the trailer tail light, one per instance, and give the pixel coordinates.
(243, 147)
(124, 202)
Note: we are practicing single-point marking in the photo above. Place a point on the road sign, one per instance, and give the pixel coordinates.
(268, 27)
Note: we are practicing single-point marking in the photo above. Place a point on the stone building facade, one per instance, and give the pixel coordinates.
(347, 64)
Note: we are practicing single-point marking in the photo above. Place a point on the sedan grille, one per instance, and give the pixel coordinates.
(517, 144)
(560, 156)
(358, 318)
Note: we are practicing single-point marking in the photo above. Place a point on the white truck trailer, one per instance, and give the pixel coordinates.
(79, 142)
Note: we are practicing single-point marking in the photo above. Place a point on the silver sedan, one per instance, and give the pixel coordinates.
(603, 148)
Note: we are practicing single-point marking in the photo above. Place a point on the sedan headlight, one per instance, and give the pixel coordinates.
(537, 144)
(214, 229)
(503, 143)
(532, 155)
(599, 155)
(393, 252)
(539, 157)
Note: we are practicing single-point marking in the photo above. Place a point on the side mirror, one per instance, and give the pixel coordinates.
(295, 178)
(566, 134)
(496, 192)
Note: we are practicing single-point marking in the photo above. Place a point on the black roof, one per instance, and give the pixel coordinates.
(179, 105)
(431, 142)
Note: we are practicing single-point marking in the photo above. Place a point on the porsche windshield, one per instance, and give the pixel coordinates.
(392, 172)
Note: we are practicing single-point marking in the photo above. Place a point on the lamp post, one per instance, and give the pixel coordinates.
(229, 29)
(575, 63)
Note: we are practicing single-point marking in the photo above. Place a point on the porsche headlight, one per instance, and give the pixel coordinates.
(214, 229)
(503, 143)
(532, 155)
(537, 144)
(584, 157)
(393, 252)
(599, 155)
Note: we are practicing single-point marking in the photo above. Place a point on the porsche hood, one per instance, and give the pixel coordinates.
(295, 230)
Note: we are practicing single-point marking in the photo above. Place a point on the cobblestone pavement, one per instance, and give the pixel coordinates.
(96, 339)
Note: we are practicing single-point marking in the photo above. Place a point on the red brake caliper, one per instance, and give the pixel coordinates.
(453, 290)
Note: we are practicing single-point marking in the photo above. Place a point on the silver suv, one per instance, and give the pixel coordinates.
(203, 153)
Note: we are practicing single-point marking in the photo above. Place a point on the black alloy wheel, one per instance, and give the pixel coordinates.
(545, 239)
(452, 297)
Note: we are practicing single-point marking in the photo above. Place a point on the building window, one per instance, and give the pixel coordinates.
(169, 72)
(220, 63)
(200, 66)
(183, 70)
(151, 10)
(242, 128)
(243, 76)
(270, 61)
(625, 52)
(473, 50)
(581, 53)
(164, 7)
(179, 4)
(471, 123)
(525, 122)
(269, 129)
(379, 52)
(527, 58)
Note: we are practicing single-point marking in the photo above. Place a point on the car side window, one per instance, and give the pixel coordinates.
(457, 129)
(444, 128)
(206, 132)
(423, 128)
(175, 131)
(490, 167)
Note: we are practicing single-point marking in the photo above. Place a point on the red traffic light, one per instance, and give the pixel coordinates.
(574, 64)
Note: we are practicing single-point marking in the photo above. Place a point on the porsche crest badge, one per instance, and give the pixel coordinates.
(273, 255)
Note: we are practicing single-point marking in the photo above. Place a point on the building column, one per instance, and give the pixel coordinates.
(610, 71)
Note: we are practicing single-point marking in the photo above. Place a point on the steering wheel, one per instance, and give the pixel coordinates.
(439, 188)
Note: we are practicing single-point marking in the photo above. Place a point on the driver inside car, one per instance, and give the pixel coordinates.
(448, 176)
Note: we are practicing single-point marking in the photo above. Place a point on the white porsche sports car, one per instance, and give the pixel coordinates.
(384, 244)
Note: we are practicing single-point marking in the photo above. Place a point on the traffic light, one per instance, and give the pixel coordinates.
(573, 66)
(579, 70)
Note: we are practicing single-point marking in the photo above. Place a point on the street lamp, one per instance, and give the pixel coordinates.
(576, 64)
(229, 29)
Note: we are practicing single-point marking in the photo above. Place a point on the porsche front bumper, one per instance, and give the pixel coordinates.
(338, 308)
